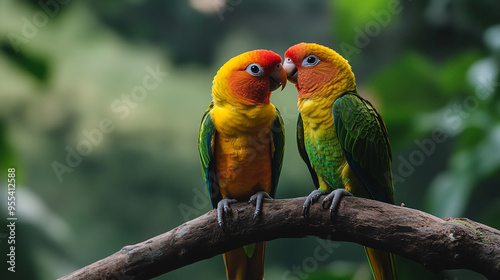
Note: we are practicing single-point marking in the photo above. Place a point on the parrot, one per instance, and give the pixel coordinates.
(341, 137)
(241, 146)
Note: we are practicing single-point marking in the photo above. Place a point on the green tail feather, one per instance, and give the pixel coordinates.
(249, 250)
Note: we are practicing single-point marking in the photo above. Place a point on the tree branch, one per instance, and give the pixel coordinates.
(436, 243)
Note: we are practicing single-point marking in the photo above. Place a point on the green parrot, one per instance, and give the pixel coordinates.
(341, 137)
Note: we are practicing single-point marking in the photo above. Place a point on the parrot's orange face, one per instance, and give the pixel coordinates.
(250, 77)
(314, 68)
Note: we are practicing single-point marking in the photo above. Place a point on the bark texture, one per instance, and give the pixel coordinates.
(438, 244)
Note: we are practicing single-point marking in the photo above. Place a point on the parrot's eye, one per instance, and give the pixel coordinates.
(255, 69)
(311, 60)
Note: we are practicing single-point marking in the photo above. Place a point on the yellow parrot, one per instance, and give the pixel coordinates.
(241, 145)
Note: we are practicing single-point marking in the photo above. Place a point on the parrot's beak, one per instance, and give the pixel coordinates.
(278, 78)
(291, 70)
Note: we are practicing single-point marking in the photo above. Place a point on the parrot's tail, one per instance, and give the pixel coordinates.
(246, 264)
(382, 263)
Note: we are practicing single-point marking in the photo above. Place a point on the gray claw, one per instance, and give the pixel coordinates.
(257, 198)
(311, 198)
(335, 197)
(223, 207)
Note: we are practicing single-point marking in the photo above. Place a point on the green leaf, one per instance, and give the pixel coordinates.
(448, 194)
(33, 64)
(6, 156)
(453, 74)
(408, 85)
(349, 16)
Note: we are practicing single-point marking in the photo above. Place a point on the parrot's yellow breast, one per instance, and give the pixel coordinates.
(243, 149)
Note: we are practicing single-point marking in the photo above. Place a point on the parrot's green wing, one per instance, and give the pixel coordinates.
(302, 150)
(363, 138)
(206, 149)
(278, 150)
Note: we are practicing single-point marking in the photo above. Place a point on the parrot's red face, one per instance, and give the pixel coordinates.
(312, 68)
(252, 76)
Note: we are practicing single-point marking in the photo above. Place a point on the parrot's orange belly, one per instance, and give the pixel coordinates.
(243, 166)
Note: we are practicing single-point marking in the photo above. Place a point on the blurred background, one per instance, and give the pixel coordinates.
(101, 103)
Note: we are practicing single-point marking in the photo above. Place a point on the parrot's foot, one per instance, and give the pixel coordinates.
(311, 198)
(223, 207)
(333, 199)
(257, 200)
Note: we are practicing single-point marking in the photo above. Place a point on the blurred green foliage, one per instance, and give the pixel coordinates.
(430, 67)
